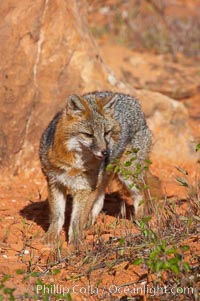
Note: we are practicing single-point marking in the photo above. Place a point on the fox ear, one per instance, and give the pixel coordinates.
(75, 105)
(109, 104)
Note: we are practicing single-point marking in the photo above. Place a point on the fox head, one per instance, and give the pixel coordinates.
(90, 125)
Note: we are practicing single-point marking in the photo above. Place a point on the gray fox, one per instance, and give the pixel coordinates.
(92, 132)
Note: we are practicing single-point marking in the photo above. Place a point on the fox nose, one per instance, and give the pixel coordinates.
(104, 152)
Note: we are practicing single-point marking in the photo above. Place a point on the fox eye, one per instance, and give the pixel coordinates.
(89, 135)
(107, 133)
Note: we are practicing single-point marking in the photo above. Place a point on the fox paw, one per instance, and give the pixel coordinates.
(50, 238)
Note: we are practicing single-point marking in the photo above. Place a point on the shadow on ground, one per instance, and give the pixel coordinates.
(39, 211)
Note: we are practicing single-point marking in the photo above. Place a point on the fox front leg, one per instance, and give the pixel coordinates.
(57, 203)
(97, 207)
(82, 204)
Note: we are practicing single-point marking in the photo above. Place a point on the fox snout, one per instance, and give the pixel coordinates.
(101, 154)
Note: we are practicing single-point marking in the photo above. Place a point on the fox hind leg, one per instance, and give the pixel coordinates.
(136, 154)
(138, 202)
(137, 197)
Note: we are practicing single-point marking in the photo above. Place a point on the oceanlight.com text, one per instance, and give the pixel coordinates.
(56, 289)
